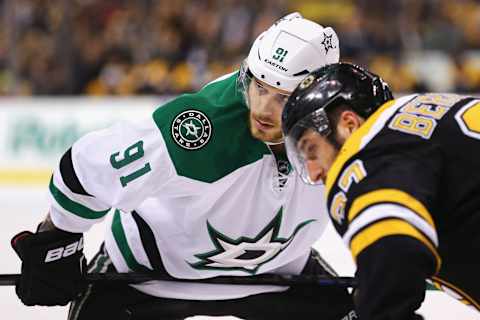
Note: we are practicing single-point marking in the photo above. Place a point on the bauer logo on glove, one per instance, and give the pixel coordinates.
(63, 252)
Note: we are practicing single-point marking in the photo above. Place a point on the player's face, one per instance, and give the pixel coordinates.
(318, 154)
(266, 105)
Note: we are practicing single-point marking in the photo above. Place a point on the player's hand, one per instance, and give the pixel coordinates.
(52, 267)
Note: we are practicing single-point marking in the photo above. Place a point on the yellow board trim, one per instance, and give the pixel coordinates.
(389, 195)
(440, 282)
(385, 228)
(352, 146)
(22, 177)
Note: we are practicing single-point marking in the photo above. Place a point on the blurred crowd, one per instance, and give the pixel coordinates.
(128, 47)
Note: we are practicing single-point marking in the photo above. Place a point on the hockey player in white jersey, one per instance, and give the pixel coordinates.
(201, 189)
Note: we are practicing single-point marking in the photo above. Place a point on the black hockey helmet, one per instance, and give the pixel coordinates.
(333, 85)
(322, 90)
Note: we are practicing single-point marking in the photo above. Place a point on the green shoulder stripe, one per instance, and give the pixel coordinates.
(207, 133)
(74, 207)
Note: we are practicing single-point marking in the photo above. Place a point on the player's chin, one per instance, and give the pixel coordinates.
(265, 133)
(270, 135)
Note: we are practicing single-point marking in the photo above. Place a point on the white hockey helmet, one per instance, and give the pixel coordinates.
(291, 48)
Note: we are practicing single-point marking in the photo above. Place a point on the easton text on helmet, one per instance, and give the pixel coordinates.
(276, 65)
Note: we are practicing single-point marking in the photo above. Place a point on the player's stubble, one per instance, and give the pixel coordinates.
(264, 133)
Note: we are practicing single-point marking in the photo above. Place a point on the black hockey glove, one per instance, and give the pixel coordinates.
(52, 267)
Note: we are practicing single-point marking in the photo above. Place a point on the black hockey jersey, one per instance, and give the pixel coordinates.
(404, 194)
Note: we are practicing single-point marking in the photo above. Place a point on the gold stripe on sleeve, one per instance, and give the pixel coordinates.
(384, 228)
(389, 195)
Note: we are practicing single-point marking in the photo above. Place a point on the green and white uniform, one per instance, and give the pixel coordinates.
(195, 195)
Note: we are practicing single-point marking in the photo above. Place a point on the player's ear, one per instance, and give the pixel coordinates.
(348, 122)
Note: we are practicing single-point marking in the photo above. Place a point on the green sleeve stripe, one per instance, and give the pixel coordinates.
(121, 240)
(74, 207)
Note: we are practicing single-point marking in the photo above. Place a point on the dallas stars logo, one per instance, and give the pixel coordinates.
(327, 42)
(191, 129)
(244, 253)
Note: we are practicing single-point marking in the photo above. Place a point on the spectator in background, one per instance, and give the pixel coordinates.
(107, 47)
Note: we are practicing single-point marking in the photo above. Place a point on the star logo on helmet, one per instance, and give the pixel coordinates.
(327, 42)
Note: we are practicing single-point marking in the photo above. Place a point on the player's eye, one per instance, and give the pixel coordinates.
(281, 98)
(261, 89)
(311, 152)
(308, 149)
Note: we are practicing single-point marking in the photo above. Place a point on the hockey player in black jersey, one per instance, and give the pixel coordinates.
(402, 184)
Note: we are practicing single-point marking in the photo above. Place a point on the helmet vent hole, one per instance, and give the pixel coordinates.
(278, 83)
(262, 76)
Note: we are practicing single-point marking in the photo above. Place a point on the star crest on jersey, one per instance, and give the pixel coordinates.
(327, 42)
(244, 253)
(191, 129)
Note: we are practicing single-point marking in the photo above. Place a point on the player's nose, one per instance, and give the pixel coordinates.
(315, 171)
(267, 104)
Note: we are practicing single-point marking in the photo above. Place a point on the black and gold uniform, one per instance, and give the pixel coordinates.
(404, 194)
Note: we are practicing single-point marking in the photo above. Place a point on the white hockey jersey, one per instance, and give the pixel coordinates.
(193, 194)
